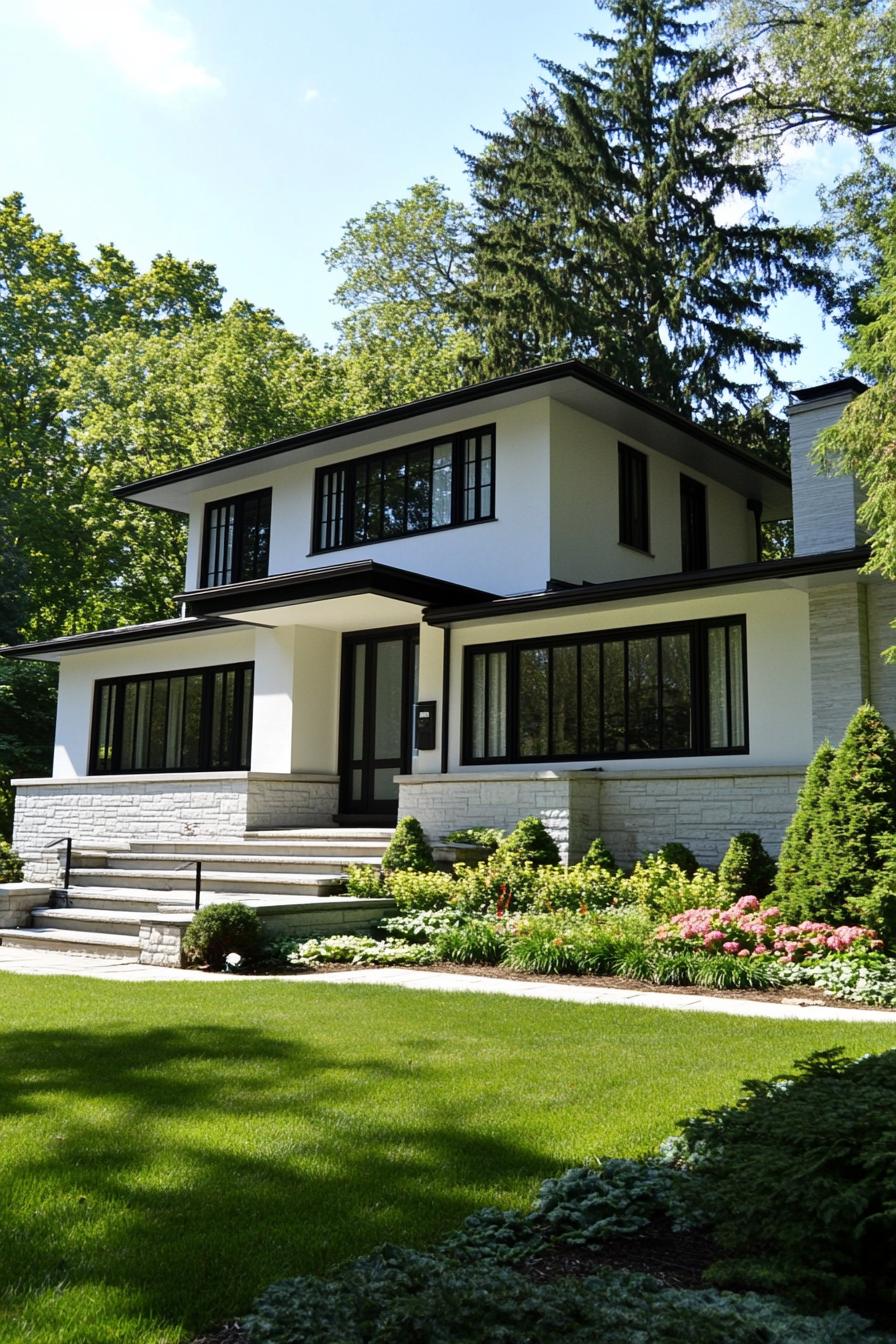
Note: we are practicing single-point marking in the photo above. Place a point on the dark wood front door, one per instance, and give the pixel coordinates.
(379, 676)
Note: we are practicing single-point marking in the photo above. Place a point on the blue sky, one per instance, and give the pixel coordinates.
(247, 133)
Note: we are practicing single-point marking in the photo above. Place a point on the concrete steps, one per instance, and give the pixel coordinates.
(113, 888)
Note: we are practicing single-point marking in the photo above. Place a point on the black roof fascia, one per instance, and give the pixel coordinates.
(831, 389)
(123, 634)
(587, 594)
(546, 373)
(315, 585)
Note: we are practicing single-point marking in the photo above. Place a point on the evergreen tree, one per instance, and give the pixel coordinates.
(793, 889)
(618, 220)
(856, 817)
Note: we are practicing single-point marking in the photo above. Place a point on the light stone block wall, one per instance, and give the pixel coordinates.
(838, 645)
(634, 811)
(161, 807)
(824, 507)
(161, 942)
(881, 604)
(17, 900)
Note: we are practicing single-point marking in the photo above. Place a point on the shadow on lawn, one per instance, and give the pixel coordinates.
(186, 1168)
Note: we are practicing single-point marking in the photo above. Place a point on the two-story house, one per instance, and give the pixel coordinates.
(540, 595)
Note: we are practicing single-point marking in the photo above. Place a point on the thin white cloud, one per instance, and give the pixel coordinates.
(311, 95)
(152, 48)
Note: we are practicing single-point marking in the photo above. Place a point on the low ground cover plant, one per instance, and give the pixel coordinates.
(731, 1176)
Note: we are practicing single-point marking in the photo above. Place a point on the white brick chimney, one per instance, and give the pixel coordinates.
(824, 507)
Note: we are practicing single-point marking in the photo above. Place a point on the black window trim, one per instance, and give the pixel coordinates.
(689, 485)
(207, 673)
(627, 456)
(349, 465)
(239, 500)
(699, 687)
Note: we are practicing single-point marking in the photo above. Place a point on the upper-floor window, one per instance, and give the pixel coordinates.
(668, 690)
(441, 483)
(236, 539)
(634, 516)
(694, 547)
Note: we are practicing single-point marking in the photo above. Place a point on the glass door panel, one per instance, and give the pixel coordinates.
(378, 689)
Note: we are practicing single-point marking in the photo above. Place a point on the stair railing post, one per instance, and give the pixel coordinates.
(68, 863)
(198, 882)
(59, 895)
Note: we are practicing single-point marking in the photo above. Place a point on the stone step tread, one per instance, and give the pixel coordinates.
(186, 878)
(329, 832)
(71, 937)
(84, 914)
(209, 859)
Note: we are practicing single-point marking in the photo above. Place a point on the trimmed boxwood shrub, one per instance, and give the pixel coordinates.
(529, 842)
(216, 930)
(747, 868)
(598, 855)
(11, 868)
(680, 855)
(408, 850)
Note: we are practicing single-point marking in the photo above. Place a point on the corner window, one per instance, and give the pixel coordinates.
(236, 539)
(634, 519)
(422, 488)
(671, 690)
(199, 719)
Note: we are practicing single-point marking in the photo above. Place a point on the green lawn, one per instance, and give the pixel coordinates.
(168, 1150)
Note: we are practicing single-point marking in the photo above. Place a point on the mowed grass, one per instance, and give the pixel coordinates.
(166, 1151)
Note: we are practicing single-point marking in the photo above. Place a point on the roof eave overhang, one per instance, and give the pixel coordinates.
(51, 650)
(571, 381)
(363, 577)
(794, 567)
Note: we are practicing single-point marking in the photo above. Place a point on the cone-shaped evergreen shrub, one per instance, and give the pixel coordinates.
(408, 850)
(794, 890)
(529, 842)
(747, 868)
(857, 812)
(217, 930)
(877, 910)
(597, 855)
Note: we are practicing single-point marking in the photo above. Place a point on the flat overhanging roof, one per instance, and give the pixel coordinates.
(793, 568)
(572, 383)
(50, 650)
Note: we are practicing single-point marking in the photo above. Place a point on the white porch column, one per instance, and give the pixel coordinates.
(272, 700)
(296, 700)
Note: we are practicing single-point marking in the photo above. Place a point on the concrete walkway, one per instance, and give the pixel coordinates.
(27, 962)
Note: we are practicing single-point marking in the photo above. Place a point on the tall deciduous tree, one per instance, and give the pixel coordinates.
(618, 221)
(816, 67)
(404, 264)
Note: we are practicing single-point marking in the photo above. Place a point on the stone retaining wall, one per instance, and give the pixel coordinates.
(161, 807)
(17, 899)
(634, 811)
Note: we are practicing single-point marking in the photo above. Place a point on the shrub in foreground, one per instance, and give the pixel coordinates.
(799, 1183)
(421, 891)
(662, 888)
(408, 850)
(11, 866)
(365, 881)
(529, 842)
(217, 930)
(599, 855)
(747, 868)
(793, 881)
(475, 942)
(489, 837)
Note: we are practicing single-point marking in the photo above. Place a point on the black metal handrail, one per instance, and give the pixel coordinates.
(54, 844)
(198, 865)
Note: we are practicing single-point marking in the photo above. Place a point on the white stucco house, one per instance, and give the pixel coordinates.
(542, 594)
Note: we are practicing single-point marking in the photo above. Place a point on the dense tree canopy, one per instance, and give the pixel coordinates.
(618, 220)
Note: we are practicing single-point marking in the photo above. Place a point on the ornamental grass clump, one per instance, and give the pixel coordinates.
(744, 929)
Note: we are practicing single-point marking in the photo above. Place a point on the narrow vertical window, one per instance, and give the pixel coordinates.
(694, 545)
(487, 697)
(331, 505)
(634, 521)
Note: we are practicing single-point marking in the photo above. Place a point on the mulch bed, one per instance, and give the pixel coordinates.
(802, 995)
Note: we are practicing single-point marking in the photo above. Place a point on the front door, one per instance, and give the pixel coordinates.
(379, 678)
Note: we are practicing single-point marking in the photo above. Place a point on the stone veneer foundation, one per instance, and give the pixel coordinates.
(634, 810)
(161, 807)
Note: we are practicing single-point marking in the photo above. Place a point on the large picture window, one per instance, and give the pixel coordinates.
(236, 539)
(427, 486)
(199, 719)
(669, 690)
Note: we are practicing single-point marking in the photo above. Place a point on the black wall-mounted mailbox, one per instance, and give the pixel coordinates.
(425, 725)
